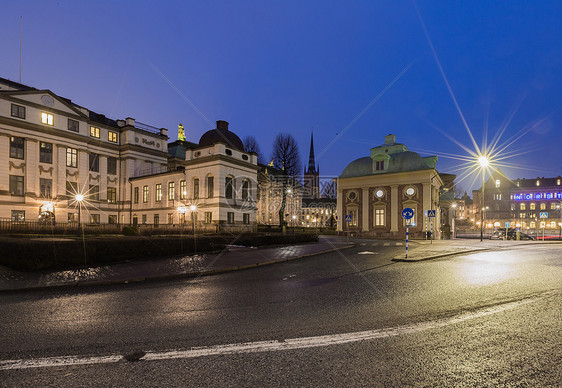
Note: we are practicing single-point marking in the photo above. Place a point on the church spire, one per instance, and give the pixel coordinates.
(311, 161)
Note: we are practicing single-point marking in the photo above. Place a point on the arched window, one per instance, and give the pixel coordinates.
(245, 189)
(210, 186)
(229, 187)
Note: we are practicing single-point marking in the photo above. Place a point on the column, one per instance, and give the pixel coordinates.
(365, 210)
(394, 208)
(339, 205)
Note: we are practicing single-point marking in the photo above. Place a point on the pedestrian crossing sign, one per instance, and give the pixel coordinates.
(431, 213)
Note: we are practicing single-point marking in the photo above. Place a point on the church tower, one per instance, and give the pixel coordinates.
(311, 174)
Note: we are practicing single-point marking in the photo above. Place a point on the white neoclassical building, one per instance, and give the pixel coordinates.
(373, 191)
(55, 149)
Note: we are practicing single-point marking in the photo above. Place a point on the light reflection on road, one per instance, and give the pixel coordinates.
(487, 268)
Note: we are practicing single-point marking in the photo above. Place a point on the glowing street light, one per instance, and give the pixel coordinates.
(484, 162)
(79, 198)
(193, 209)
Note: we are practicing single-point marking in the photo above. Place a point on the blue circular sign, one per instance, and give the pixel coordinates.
(407, 213)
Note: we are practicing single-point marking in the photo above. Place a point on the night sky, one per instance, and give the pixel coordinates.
(290, 66)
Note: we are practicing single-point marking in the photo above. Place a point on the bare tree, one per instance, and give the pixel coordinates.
(251, 145)
(286, 157)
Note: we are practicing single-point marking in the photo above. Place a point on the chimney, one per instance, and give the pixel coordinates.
(222, 125)
(120, 123)
(130, 121)
(389, 139)
(163, 132)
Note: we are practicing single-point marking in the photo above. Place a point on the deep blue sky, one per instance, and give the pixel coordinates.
(289, 66)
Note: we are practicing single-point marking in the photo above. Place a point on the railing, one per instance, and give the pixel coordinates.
(147, 128)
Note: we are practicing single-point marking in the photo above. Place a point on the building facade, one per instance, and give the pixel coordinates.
(373, 191)
(529, 204)
(55, 149)
(270, 197)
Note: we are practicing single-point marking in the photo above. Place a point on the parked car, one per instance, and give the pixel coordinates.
(499, 234)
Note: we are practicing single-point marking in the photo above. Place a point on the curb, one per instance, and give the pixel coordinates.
(84, 283)
(440, 256)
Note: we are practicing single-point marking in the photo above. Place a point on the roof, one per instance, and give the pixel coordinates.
(221, 134)
(101, 119)
(15, 85)
(397, 162)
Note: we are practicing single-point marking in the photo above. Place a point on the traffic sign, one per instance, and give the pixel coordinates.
(544, 214)
(407, 213)
(431, 213)
(348, 218)
(507, 224)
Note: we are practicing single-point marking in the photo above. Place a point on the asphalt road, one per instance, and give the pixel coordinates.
(353, 318)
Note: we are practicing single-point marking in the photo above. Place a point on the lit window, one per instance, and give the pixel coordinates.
(145, 194)
(552, 206)
(497, 183)
(111, 195)
(183, 189)
(543, 206)
(538, 182)
(379, 217)
(171, 191)
(208, 217)
(532, 206)
(158, 192)
(522, 206)
(111, 136)
(532, 224)
(47, 118)
(558, 182)
(95, 132)
(71, 157)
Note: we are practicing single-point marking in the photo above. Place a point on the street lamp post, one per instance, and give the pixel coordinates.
(483, 161)
(193, 209)
(79, 198)
(454, 206)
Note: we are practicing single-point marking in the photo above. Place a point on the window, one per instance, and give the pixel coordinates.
(379, 193)
(543, 206)
(71, 157)
(112, 219)
(95, 132)
(558, 182)
(111, 136)
(94, 193)
(196, 188)
(522, 215)
(94, 162)
(410, 191)
(497, 183)
(111, 165)
(171, 191)
(553, 224)
(512, 206)
(72, 217)
(532, 206)
(208, 217)
(45, 187)
(532, 224)
(47, 118)
(379, 166)
(183, 189)
(16, 147)
(111, 195)
(228, 152)
(145, 194)
(245, 189)
(498, 197)
(73, 125)
(538, 183)
(379, 217)
(45, 152)
(18, 215)
(522, 206)
(16, 185)
(552, 206)
(228, 188)
(18, 111)
(94, 219)
(156, 219)
(246, 218)
(210, 186)
(143, 217)
(158, 196)
(71, 188)
(230, 217)
(136, 195)
(170, 218)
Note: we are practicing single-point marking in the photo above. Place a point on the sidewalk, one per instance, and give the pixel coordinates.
(420, 250)
(231, 259)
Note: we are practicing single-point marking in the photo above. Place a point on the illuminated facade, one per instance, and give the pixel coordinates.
(54, 149)
(373, 191)
(270, 197)
(529, 204)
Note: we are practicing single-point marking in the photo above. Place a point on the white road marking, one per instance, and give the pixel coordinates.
(268, 346)
(367, 253)
(386, 244)
(399, 244)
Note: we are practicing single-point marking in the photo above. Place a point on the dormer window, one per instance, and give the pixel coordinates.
(538, 182)
(379, 166)
(497, 183)
(558, 182)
